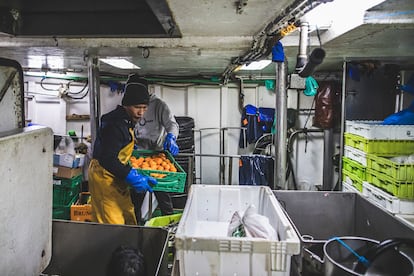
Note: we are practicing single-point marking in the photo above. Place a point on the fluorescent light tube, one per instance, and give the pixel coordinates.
(256, 65)
(120, 63)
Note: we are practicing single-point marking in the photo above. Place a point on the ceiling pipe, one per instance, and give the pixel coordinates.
(304, 66)
(272, 33)
(302, 57)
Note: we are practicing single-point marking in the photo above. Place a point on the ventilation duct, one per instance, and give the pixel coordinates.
(306, 66)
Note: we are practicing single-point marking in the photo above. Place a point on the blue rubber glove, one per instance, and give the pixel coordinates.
(170, 144)
(278, 54)
(141, 183)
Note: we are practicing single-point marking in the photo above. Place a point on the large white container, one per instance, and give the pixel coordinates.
(202, 244)
(26, 200)
(375, 130)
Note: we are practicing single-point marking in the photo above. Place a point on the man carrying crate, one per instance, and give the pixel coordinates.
(156, 130)
(110, 174)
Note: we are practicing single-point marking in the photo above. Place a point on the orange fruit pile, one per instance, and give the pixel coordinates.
(158, 162)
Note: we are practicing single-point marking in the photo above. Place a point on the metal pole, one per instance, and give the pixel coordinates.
(190, 176)
(327, 160)
(230, 170)
(281, 127)
(222, 164)
(94, 96)
(343, 118)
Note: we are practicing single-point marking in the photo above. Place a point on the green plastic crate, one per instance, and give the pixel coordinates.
(173, 181)
(63, 211)
(354, 167)
(64, 192)
(164, 220)
(355, 180)
(379, 147)
(400, 172)
(67, 182)
(400, 189)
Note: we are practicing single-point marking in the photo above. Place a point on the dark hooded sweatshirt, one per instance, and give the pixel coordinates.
(112, 136)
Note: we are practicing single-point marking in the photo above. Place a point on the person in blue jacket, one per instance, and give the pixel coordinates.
(156, 130)
(110, 176)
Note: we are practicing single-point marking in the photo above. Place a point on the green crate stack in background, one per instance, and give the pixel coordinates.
(379, 143)
(65, 193)
(353, 173)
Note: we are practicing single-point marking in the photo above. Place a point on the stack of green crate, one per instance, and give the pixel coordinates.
(353, 173)
(379, 143)
(395, 178)
(65, 193)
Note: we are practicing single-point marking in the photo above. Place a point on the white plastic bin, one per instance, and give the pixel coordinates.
(346, 187)
(375, 130)
(202, 244)
(391, 203)
(356, 155)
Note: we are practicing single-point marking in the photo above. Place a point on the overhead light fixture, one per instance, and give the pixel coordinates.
(256, 65)
(120, 63)
(45, 62)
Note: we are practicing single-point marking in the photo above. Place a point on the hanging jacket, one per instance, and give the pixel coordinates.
(257, 121)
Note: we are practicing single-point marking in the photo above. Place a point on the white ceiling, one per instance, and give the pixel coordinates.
(210, 34)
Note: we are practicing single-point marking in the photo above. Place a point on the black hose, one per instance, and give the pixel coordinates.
(291, 171)
(315, 58)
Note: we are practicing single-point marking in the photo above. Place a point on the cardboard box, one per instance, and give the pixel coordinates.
(68, 160)
(81, 210)
(65, 172)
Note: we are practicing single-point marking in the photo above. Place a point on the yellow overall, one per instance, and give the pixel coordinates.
(110, 198)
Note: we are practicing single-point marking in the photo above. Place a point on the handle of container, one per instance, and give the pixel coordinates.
(361, 259)
(313, 255)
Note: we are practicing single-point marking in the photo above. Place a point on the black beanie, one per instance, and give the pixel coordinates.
(135, 93)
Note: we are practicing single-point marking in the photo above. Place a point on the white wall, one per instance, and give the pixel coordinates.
(213, 107)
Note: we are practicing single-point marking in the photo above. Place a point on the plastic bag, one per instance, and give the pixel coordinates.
(251, 224)
(236, 227)
(327, 105)
(405, 159)
(66, 146)
(270, 85)
(404, 117)
(311, 86)
(258, 226)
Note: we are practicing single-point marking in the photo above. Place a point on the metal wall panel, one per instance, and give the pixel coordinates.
(25, 200)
